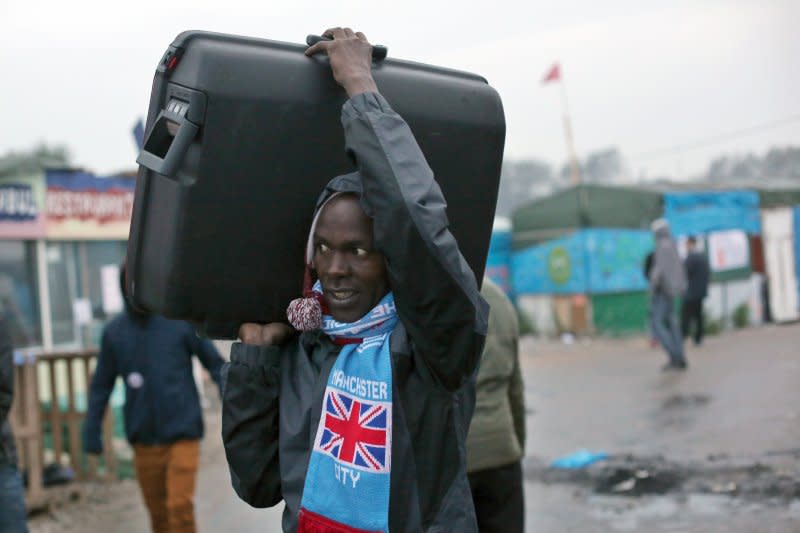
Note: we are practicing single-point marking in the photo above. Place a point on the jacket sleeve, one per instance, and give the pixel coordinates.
(504, 323)
(435, 290)
(6, 370)
(656, 274)
(516, 395)
(105, 374)
(705, 270)
(690, 265)
(208, 355)
(250, 392)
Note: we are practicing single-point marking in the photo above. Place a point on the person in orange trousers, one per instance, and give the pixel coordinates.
(166, 475)
(163, 417)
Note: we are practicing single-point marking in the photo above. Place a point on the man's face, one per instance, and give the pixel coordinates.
(352, 273)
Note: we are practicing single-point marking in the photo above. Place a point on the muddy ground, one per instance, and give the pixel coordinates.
(714, 449)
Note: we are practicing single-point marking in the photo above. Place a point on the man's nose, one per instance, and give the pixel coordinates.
(339, 265)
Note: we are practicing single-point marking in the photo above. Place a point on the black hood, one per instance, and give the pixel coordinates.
(345, 183)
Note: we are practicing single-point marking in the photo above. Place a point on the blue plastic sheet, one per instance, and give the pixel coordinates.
(81, 181)
(616, 259)
(737, 199)
(692, 213)
(578, 460)
(498, 263)
(588, 261)
(554, 267)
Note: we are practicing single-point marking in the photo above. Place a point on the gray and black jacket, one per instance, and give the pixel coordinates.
(667, 275)
(272, 396)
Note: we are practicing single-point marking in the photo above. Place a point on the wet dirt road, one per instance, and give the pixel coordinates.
(725, 436)
(714, 449)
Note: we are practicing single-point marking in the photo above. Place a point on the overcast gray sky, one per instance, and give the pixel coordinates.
(641, 75)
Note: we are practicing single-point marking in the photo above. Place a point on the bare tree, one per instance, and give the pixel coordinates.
(34, 160)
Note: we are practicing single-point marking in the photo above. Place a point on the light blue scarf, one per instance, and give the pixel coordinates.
(347, 483)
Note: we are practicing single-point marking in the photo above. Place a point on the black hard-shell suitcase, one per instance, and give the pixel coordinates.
(242, 135)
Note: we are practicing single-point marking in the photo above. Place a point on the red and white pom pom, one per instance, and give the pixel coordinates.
(305, 314)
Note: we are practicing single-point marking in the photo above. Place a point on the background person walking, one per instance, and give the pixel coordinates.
(163, 418)
(697, 275)
(496, 438)
(667, 282)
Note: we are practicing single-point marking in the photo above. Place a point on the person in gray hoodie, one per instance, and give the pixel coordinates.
(667, 282)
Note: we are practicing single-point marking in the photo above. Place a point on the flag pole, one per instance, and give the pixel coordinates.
(575, 172)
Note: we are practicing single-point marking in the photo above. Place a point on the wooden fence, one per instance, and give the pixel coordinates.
(63, 375)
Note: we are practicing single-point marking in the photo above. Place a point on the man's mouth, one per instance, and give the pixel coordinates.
(340, 296)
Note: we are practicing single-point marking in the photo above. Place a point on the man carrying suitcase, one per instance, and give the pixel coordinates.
(359, 422)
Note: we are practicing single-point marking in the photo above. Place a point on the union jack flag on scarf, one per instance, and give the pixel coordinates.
(355, 431)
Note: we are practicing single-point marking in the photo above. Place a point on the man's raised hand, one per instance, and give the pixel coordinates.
(350, 56)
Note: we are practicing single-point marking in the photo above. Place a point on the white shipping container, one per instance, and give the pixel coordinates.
(778, 237)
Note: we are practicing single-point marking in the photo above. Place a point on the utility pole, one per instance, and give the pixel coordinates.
(554, 74)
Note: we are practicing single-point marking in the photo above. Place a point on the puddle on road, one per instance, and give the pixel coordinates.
(677, 412)
(668, 512)
(682, 401)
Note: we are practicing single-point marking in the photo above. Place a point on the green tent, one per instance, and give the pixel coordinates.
(585, 206)
(778, 196)
(605, 206)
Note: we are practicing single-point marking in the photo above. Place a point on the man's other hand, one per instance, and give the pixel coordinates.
(271, 334)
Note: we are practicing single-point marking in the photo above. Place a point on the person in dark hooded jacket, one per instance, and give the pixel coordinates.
(698, 275)
(359, 422)
(163, 418)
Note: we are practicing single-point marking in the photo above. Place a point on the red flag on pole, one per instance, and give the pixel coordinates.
(554, 74)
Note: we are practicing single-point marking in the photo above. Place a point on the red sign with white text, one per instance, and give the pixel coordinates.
(80, 205)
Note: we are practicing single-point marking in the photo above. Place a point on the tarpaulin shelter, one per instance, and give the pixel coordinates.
(498, 261)
(591, 240)
(696, 212)
(588, 240)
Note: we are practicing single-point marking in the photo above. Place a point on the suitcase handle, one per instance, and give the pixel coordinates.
(378, 51)
(165, 148)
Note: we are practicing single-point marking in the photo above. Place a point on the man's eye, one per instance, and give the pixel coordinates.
(360, 252)
(323, 248)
